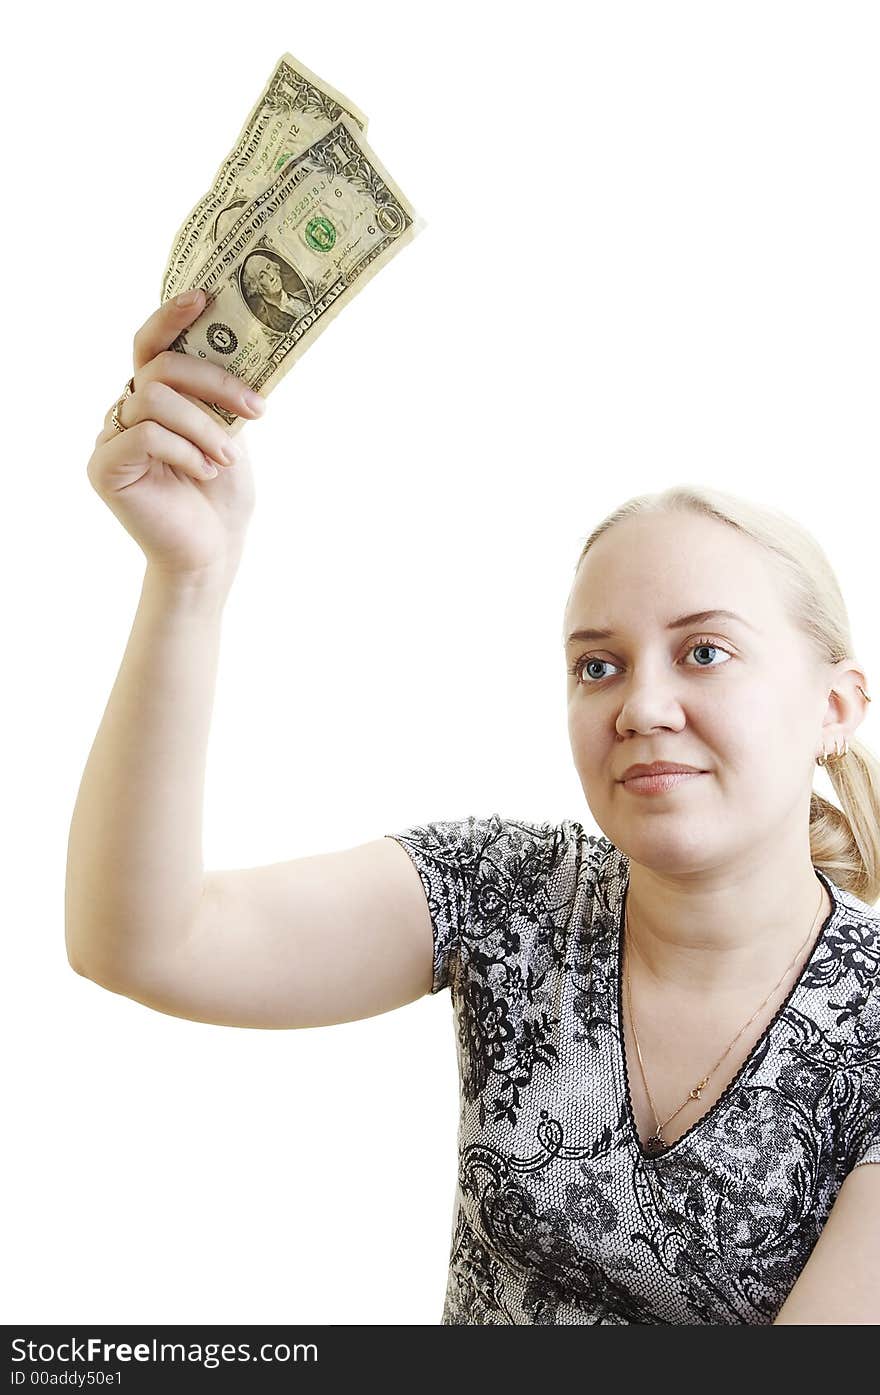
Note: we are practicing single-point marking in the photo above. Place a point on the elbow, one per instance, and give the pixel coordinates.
(74, 953)
(80, 960)
(73, 944)
(78, 967)
(78, 963)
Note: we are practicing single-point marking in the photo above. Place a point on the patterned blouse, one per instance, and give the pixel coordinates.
(560, 1216)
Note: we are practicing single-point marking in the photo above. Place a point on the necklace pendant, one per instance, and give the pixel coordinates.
(696, 1094)
(655, 1146)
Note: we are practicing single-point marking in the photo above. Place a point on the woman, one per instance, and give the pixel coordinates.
(667, 1033)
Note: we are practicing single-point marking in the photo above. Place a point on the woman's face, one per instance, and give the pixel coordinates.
(742, 700)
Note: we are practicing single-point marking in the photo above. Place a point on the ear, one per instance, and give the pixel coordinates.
(845, 709)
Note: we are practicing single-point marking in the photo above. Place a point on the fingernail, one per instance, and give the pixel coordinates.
(188, 298)
(255, 401)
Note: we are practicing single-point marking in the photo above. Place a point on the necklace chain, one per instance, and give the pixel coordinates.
(657, 1143)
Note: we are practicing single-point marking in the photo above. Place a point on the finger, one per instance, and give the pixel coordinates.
(133, 451)
(156, 401)
(163, 327)
(202, 380)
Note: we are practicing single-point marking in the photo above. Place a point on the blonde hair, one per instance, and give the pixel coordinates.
(844, 842)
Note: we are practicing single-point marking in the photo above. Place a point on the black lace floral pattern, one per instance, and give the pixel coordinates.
(560, 1217)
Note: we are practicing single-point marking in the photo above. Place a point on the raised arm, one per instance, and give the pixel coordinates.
(313, 941)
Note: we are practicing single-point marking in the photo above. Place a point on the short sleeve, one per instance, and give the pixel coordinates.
(867, 1147)
(865, 1125)
(446, 855)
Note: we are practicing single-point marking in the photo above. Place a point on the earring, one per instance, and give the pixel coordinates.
(828, 756)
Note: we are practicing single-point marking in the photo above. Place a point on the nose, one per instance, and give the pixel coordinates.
(649, 700)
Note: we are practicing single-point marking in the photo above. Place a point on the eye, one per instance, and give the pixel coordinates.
(580, 664)
(709, 644)
(577, 668)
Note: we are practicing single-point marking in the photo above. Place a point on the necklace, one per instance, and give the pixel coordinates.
(657, 1144)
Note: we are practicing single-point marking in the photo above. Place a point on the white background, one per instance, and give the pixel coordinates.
(651, 257)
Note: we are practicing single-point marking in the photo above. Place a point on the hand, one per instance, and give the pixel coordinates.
(154, 476)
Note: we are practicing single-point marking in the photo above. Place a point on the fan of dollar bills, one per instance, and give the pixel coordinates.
(299, 216)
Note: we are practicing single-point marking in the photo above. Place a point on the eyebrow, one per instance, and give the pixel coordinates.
(696, 619)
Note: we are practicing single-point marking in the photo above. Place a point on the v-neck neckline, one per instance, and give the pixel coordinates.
(617, 959)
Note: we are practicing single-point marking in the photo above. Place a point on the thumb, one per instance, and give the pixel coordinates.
(164, 325)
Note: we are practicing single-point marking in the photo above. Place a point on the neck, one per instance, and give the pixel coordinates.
(723, 931)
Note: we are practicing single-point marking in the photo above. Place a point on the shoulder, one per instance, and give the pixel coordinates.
(562, 849)
(498, 860)
(541, 872)
(857, 911)
(482, 838)
(851, 951)
(841, 1025)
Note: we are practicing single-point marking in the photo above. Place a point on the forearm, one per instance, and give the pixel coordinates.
(134, 868)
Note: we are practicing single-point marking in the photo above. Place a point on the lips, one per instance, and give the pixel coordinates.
(659, 767)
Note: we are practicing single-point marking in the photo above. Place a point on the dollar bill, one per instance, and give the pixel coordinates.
(294, 109)
(287, 263)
